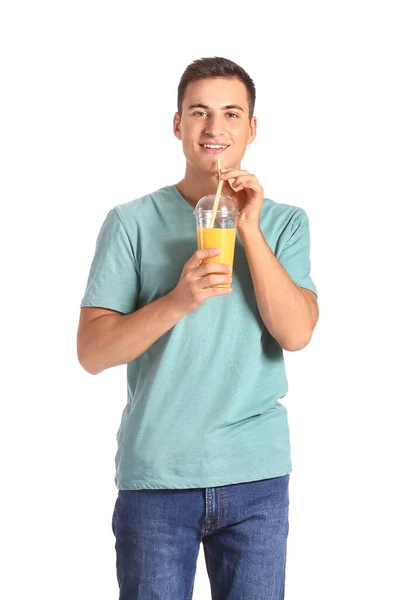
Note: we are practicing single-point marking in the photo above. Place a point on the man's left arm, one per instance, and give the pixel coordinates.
(290, 312)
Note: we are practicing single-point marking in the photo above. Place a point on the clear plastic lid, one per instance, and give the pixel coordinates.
(226, 206)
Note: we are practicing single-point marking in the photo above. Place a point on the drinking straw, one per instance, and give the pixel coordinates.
(218, 194)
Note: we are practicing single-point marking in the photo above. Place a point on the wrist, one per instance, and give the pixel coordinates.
(173, 306)
(249, 232)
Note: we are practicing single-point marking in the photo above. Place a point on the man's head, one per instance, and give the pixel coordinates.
(216, 100)
(210, 68)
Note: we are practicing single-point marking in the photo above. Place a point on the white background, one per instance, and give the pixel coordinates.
(88, 96)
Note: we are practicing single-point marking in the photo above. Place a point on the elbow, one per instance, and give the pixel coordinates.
(295, 344)
(295, 347)
(86, 362)
(90, 368)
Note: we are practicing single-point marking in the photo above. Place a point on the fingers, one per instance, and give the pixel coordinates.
(208, 268)
(232, 173)
(212, 292)
(200, 255)
(210, 281)
(237, 178)
(207, 276)
(248, 181)
(230, 176)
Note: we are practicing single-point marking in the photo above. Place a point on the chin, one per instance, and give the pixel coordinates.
(209, 167)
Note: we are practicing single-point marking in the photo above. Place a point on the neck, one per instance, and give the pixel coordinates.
(197, 184)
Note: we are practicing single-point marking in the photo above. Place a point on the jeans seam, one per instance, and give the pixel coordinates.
(209, 564)
(222, 509)
(191, 592)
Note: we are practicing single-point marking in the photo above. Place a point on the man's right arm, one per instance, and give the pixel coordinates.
(107, 338)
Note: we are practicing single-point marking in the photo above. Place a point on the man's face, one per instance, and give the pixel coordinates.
(215, 112)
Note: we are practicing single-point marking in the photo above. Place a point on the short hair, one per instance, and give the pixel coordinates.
(207, 68)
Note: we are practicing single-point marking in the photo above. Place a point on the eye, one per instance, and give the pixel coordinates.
(199, 114)
(232, 115)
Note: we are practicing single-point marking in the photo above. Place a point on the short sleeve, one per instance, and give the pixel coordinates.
(295, 254)
(113, 281)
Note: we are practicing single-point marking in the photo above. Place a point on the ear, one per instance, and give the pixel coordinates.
(252, 130)
(177, 126)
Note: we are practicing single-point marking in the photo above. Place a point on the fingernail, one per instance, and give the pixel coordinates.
(229, 269)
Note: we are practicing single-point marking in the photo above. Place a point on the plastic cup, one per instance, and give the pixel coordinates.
(223, 233)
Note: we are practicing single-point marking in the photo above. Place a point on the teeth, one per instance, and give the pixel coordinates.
(213, 146)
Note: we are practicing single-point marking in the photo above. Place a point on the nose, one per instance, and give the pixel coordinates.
(214, 126)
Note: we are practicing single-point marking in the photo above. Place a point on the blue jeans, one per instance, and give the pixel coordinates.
(243, 528)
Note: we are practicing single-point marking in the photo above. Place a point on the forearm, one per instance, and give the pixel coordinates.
(283, 307)
(112, 340)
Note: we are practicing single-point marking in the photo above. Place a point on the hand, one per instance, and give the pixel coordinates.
(248, 194)
(197, 281)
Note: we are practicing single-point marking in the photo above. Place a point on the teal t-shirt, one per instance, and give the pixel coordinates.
(203, 404)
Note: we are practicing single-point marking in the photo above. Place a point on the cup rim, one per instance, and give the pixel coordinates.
(234, 212)
(218, 212)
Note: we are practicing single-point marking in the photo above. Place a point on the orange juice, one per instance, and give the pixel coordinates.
(223, 239)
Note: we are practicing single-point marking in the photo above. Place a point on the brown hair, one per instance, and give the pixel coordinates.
(207, 68)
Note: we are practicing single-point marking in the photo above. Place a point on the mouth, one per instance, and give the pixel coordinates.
(214, 148)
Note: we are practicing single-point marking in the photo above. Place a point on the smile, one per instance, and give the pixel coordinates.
(213, 148)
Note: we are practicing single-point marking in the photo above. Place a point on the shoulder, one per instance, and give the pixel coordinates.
(160, 195)
(282, 215)
(281, 222)
(137, 209)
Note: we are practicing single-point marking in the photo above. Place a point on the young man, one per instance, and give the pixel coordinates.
(203, 445)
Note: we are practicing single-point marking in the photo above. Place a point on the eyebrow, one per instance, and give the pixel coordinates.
(227, 107)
